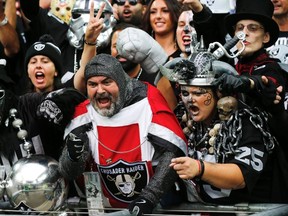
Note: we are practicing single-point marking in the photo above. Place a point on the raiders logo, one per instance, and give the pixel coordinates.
(280, 52)
(123, 180)
(39, 47)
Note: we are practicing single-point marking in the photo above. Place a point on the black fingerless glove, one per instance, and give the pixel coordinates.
(266, 94)
(230, 83)
(141, 206)
(75, 145)
(58, 107)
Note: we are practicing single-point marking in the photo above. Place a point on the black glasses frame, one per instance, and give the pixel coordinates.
(122, 2)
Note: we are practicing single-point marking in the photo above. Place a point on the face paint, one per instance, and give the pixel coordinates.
(199, 102)
(61, 9)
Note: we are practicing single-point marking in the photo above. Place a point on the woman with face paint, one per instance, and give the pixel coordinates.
(230, 158)
(194, 21)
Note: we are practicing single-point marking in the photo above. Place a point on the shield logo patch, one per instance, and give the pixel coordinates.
(124, 181)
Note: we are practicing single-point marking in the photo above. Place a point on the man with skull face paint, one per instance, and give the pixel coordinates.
(230, 158)
(125, 131)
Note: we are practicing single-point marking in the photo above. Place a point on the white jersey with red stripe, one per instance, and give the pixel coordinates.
(121, 145)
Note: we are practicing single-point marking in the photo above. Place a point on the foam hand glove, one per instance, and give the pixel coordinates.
(230, 83)
(75, 145)
(139, 47)
(58, 107)
(141, 206)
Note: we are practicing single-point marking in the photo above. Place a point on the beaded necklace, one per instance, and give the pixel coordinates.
(202, 138)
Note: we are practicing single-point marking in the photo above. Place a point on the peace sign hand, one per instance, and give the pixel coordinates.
(95, 24)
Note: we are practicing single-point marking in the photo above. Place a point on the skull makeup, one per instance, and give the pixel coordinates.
(61, 9)
(80, 19)
(226, 106)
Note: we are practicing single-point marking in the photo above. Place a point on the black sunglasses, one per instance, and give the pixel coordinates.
(122, 2)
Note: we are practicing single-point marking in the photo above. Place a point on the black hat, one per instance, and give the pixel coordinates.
(258, 10)
(46, 47)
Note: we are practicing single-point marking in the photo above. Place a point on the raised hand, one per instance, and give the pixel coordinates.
(139, 47)
(95, 25)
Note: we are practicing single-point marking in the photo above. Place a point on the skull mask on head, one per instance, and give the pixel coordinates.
(61, 10)
(80, 19)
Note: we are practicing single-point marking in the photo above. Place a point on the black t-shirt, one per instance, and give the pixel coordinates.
(282, 39)
(259, 169)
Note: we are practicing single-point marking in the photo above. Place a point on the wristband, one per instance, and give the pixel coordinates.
(4, 21)
(201, 168)
(90, 44)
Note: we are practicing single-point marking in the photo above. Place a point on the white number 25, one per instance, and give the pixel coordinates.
(255, 161)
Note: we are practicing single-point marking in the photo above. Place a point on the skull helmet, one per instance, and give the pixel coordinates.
(61, 10)
(80, 19)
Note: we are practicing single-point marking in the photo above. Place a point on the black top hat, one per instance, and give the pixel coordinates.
(258, 10)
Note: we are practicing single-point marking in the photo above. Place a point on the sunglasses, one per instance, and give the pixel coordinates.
(122, 2)
(251, 27)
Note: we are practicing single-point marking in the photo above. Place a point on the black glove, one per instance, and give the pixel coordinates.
(230, 83)
(266, 92)
(75, 145)
(50, 111)
(58, 107)
(141, 206)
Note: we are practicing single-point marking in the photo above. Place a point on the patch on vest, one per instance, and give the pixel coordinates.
(124, 181)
